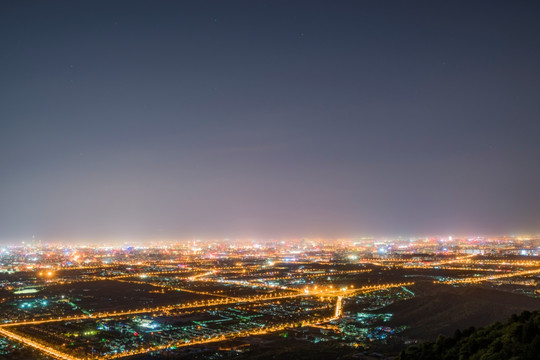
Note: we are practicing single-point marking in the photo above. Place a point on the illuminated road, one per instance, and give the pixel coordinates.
(230, 336)
(151, 310)
(473, 280)
(44, 349)
(323, 292)
(59, 355)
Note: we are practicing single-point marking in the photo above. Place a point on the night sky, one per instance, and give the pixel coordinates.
(134, 120)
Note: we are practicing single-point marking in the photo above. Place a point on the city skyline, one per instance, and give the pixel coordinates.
(201, 300)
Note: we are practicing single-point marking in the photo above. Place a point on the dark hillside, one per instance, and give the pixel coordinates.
(442, 310)
(517, 339)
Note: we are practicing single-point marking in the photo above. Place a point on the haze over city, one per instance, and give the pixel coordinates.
(127, 120)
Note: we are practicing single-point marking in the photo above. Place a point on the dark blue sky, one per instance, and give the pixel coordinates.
(179, 119)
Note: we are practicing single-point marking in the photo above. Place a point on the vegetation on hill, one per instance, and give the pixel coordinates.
(517, 339)
(438, 309)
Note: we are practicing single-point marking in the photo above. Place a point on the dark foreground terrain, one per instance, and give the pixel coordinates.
(518, 338)
(440, 310)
